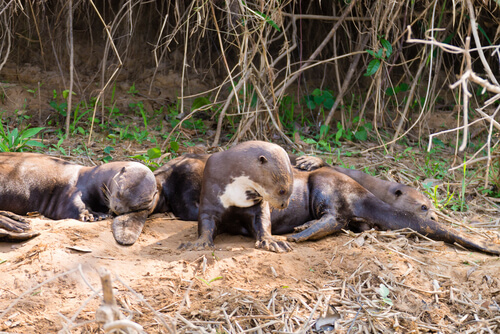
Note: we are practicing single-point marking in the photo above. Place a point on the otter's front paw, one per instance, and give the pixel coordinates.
(17, 236)
(12, 222)
(200, 244)
(273, 245)
(309, 163)
(87, 216)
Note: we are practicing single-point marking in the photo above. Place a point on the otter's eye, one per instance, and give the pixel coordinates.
(282, 192)
(424, 207)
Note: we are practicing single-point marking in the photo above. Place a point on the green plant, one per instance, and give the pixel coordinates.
(209, 281)
(432, 191)
(381, 55)
(77, 116)
(35, 91)
(107, 150)
(60, 107)
(383, 291)
(132, 91)
(58, 146)
(287, 112)
(320, 98)
(151, 154)
(18, 140)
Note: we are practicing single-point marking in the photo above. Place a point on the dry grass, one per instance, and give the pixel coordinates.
(256, 52)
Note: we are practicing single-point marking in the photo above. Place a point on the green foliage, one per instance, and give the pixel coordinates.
(432, 191)
(154, 153)
(60, 107)
(268, 20)
(209, 281)
(382, 54)
(383, 291)
(287, 113)
(107, 150)
(402, 87)
(320, 98)
(58, 147)
(132, 91)
(18, 140)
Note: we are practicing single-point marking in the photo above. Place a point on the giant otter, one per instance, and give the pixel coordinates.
(398, 195)
(238, 188)
(323, 202)
(59, 189)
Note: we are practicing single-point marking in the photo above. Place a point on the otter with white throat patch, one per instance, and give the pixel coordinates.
(239, 188)
(323, 202)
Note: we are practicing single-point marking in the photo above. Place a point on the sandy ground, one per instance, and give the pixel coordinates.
(47, 286)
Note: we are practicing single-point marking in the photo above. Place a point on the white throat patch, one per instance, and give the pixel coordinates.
(235, 192)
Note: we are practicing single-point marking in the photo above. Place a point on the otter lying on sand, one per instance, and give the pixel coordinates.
(323, 202)
(59, 189)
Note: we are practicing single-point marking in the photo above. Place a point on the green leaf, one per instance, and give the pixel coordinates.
(154, 153)
(310, 141)
(387, 300)
(174, 146)
(361, 135)
(387, 46)
(323, 130)
(65, 93)
(107, 158)
(327, 94)
(268, 20)
(317, 92)
(108, 149)
(328, 104)
(28, 133)
(380, 54)
(371, 53)
(318, 99)
(139, 157)
(34, 143)
(3, 147)
(200, 102)
(338, 135)
(310, 103)
(383, 291)
(372, 67)
(402, 87)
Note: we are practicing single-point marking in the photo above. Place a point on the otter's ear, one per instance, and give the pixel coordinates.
(398, 193)
(262, 159)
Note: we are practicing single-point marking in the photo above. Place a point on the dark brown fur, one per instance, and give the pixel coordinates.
(238, 188)
(396, 194)
(323, 202)
(59, 189)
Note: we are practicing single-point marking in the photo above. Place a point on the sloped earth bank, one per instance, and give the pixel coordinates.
(51, 283)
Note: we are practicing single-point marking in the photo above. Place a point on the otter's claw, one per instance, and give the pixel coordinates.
(200, 244)
(273, 245)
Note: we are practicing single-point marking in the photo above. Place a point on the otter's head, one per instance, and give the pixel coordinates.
(409, 199)
(274, 182)
(132, 189)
